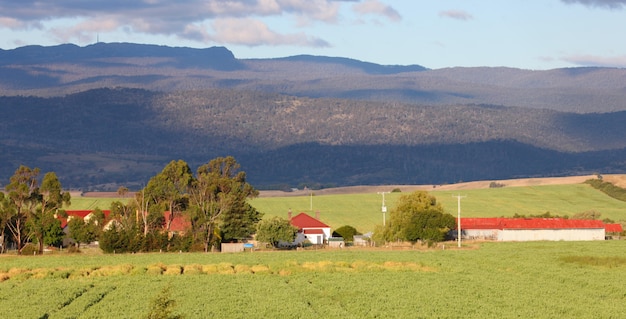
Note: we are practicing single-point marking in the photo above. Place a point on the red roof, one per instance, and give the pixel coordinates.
(529, 223)
(303, 220)
(613, 228)
(179, 224)
(80, 214)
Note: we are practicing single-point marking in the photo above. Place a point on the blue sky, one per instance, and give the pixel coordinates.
(528, 34)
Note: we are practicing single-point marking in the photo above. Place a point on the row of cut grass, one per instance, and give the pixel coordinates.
(503, 280)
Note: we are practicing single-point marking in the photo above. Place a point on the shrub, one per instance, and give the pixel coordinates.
(496, 185)
(29, 249)
(347, 232)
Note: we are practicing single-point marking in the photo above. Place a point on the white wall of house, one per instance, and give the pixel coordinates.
(316, 239)
(551, 234)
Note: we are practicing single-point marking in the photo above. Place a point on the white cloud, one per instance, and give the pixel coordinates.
(252, 32)
(206, 21)
(456, 14)
(594, 60)
(377, 8)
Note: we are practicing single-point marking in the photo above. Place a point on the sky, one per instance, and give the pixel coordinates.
(527, 34)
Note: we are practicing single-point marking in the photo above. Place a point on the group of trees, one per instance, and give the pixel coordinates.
(29, 208)
(416, 217)
(213, 202)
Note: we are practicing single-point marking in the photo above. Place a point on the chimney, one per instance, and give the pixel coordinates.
(317, 214)
(289, 214)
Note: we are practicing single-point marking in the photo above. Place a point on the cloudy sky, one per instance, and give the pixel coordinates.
(529, 34)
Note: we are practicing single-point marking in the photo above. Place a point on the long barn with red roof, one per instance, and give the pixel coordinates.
(533, 229)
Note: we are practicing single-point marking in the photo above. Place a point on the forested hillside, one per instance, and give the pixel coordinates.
(113, 114)
(125, 135)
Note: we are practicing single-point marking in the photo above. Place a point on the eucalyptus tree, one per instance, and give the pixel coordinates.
(42, 221)
(6, 215)
(23, 194)
(218, 193)
(168, 189)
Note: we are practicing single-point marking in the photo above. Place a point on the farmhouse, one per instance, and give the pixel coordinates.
(309, 228)
(532, 229)
(82, 214)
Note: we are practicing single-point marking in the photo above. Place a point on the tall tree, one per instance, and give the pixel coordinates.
(240, 223)
(6, 214)
(50, 198)
(168, 189)
(23, 194)
(219, 191)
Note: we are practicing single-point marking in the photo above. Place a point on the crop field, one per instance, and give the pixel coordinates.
(363, 211)
(488, 280)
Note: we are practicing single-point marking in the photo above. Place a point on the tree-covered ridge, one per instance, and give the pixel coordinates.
(124, 136)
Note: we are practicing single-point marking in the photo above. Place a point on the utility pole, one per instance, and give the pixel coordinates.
(458, 225)
(384, 208)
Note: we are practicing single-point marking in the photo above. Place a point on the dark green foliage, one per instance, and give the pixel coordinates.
(53, 234)
(396, 190)
(118, 239)
(29, 250)
(417, 217)
(347, 232)
(608, 188)
(239, 224)
(275, 230)
(155, 241)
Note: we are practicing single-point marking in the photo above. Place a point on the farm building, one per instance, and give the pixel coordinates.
(532, 229)
(309, 228)
(82, 214)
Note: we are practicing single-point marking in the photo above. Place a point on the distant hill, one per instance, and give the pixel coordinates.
(64, 69)
(114, 114)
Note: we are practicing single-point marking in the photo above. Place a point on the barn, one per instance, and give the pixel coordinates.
(532, 229)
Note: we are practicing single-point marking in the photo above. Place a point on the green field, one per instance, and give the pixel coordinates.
(494, 280)
(363, 211)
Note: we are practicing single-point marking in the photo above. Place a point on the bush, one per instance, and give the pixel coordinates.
(29, 249)
(347, 232)
(496, 185)
(72, 249)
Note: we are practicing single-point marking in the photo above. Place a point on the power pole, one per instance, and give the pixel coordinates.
(458, 226)
(384, 208)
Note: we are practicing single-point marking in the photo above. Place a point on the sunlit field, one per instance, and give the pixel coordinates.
(489, 280)
(363, 211)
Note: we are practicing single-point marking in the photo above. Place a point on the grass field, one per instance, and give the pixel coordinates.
(363, 211)
(493, 280)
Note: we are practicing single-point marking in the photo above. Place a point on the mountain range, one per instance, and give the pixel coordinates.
(113, 114)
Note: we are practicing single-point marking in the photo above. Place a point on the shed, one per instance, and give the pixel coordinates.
(336, 242)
